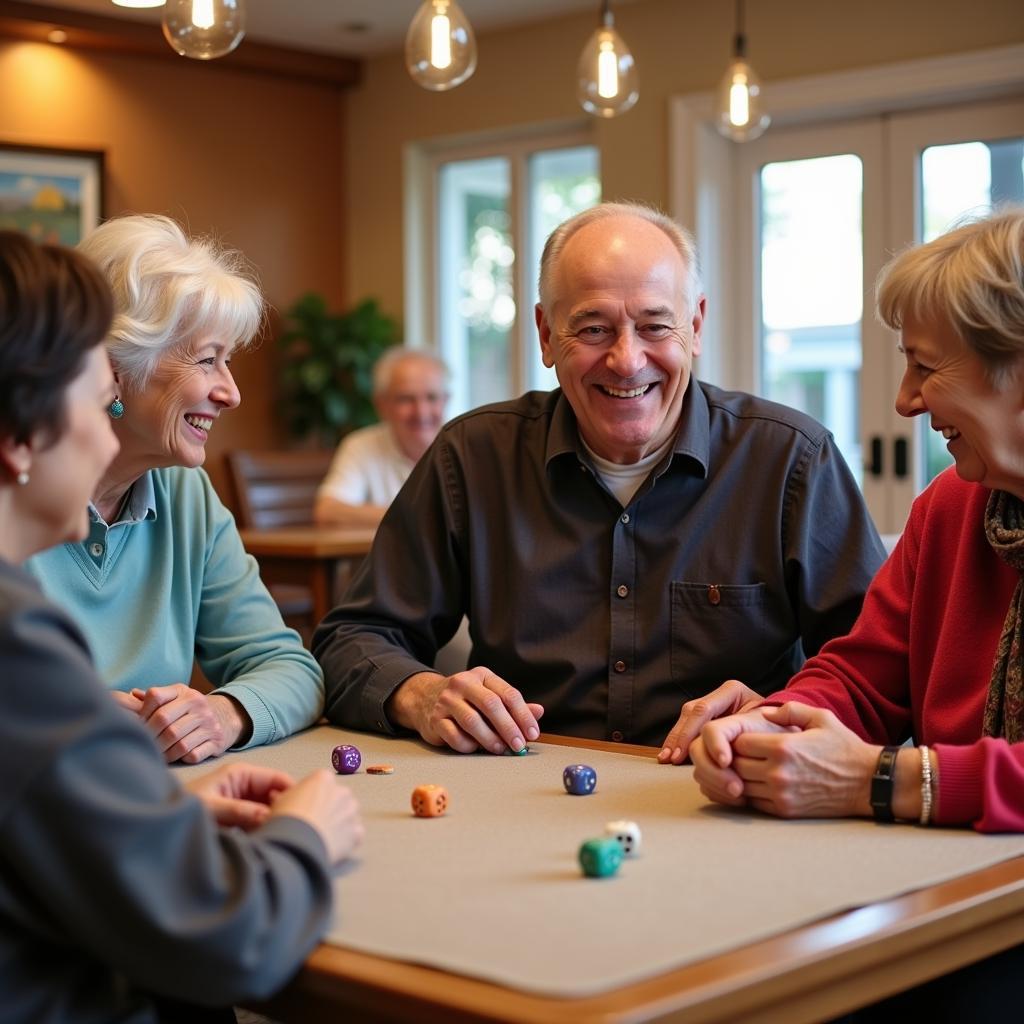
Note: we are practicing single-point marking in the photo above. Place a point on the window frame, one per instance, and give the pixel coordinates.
(422, 164)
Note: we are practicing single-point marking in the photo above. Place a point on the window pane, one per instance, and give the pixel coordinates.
(812, 292)
(562, 183)
(475, 282)
(963, 179)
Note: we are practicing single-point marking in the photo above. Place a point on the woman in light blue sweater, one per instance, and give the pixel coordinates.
(162, 577)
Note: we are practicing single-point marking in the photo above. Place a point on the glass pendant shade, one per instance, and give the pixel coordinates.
(138, 3)
(738, 105)
(440, 48)
(607, 83)
(204, 29)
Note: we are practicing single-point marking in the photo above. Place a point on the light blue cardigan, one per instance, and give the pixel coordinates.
(170, 580)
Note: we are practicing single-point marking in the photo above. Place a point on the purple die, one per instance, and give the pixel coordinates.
(579, 779)
(346, 759)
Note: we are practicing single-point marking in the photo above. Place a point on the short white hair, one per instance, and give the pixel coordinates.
(384, 368)
(680, 238)
(170, 290)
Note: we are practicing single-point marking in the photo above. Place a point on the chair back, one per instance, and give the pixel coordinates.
(276, 488)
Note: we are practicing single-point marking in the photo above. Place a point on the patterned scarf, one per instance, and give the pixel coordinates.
(1004, 708)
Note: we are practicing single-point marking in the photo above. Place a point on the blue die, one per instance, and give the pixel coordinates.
(579, 779)
(346, 759)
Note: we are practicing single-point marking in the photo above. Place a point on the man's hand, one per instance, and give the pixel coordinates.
(329, 808)
(240, 794)
(731, 698)
(190, 726)
(466, 711)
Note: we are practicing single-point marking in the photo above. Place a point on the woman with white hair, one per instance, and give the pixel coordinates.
(162, 577)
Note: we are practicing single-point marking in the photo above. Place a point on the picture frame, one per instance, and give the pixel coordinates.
(53, 195)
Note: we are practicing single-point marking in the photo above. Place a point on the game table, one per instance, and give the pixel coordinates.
(484, 915)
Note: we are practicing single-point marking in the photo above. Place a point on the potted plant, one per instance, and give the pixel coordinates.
(328, 367)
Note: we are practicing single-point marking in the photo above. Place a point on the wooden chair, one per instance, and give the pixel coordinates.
(275, 489)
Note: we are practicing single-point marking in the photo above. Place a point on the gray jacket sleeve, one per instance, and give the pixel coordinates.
(105, 853)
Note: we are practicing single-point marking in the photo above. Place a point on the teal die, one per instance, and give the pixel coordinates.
(600, 858)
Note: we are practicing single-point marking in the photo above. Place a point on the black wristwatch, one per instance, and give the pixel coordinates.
(882, 784)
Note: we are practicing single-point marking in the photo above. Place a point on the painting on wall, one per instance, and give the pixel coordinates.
(53, 195)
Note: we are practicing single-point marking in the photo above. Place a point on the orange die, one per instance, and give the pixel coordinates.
(429, 801)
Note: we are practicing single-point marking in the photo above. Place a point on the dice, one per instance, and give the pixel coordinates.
(626, 834)
(429, 801)
(346, 759)
(600, 858)
(579, 779)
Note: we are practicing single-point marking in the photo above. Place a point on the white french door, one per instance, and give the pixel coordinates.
(819, 210)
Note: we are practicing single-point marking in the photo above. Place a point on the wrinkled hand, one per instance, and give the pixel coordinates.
(240, 794)
(823, 770)
(466, 711)
(731, 698)
(712, 753)
(188, 725)
(327, 807)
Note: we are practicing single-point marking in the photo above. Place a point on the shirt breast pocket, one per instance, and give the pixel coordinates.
(714, 625)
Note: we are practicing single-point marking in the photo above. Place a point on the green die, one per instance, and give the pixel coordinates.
(600, 858)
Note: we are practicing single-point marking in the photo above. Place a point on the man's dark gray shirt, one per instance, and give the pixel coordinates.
(745, 549)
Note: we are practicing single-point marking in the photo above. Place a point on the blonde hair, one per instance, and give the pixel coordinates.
(677, 234)
(169, 291)
(972, 278)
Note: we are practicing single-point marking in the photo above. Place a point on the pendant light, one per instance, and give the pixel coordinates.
(606, 80)
(440, 48)
(204, 29)
(138, 3)
(738, 105)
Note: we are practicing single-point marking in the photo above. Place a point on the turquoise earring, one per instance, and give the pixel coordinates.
(116, 409)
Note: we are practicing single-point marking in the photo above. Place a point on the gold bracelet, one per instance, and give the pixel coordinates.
(926, 786)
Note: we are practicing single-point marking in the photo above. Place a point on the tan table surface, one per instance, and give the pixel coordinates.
(490, 898)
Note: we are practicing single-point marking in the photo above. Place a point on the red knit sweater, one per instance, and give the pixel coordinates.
(918, 660)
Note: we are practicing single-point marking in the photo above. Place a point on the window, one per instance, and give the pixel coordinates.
(487, 212)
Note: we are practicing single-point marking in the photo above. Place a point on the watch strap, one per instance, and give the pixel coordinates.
(882, 784)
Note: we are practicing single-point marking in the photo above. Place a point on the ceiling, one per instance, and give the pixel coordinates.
(350, 27)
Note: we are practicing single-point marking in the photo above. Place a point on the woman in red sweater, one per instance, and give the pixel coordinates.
(938, 651)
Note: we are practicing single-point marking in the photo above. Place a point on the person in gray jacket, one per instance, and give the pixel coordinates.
(123, 896)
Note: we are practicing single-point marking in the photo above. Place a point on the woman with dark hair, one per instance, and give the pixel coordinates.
(120, 893)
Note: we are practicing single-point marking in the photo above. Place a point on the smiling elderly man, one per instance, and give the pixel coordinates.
(620, 545)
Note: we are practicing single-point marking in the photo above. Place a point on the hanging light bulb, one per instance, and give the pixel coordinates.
(740, 116)
(204, 29)
(606, 78)
(440, 48)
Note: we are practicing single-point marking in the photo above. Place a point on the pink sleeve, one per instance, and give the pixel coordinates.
(981, 784)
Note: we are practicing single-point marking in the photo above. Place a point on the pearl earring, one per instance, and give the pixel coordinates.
(22, 478)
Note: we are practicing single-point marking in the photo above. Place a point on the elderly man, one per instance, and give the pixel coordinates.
(410, 389)
(620, 545)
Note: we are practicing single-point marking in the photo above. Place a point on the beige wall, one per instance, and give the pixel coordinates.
(252, 159)
(527, 76)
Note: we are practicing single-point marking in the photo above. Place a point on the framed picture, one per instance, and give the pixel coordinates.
(53, 195)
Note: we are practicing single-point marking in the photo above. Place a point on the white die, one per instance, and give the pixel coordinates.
(628, 835)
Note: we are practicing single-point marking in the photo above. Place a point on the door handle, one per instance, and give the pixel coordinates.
(900, 452)
(874, 463)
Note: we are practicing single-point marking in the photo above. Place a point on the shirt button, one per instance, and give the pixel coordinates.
(617, 737)
(95, 549)
(624, 518)
(714, 595)
(619, 666)
(623, 590)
